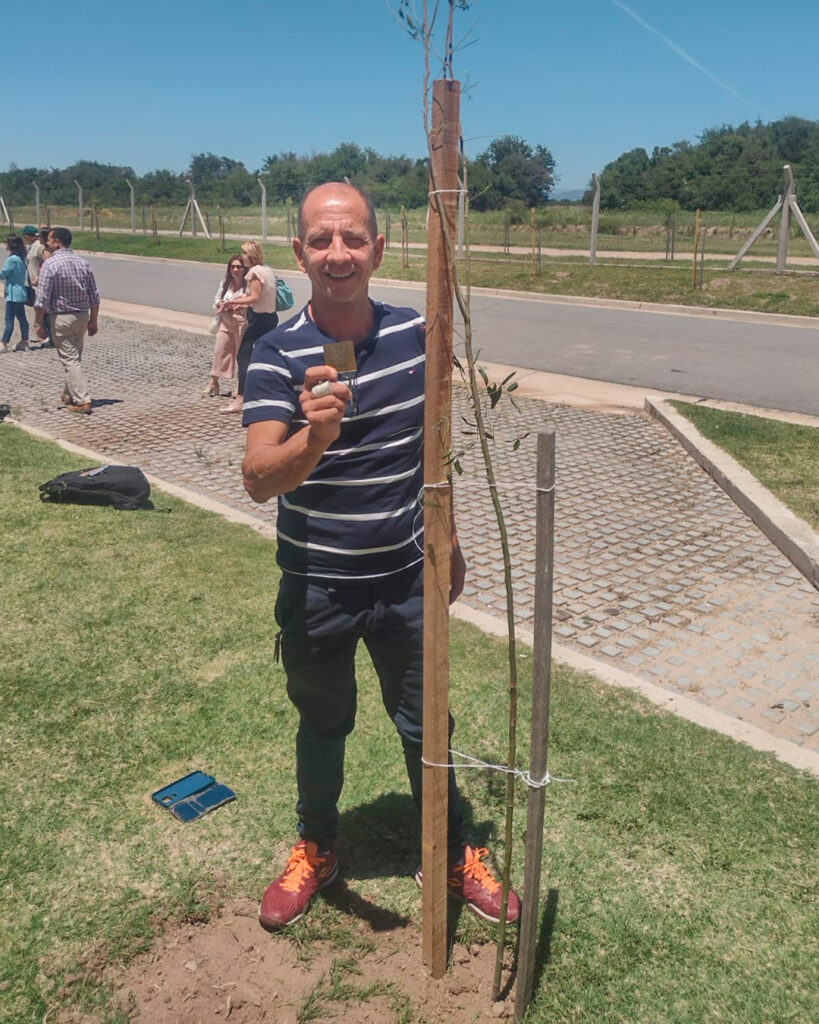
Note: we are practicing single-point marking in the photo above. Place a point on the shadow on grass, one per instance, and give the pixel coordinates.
(543, 951)
(381, 839)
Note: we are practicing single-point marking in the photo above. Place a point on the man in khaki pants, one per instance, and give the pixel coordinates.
(68, 295)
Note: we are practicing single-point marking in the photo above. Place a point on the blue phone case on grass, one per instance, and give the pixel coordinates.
(193, 795)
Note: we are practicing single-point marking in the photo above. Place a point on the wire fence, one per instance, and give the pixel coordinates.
(563, 228)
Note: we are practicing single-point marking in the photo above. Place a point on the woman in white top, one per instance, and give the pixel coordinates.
(232, 325)
(259, 301)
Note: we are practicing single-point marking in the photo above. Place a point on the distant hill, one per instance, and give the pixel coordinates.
(568, 195)
(728, 169)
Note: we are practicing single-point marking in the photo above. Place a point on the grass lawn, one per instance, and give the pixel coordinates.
(782, 456)
(679, 870)
(748, 289)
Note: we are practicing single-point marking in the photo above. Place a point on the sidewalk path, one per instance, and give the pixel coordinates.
(657, 571)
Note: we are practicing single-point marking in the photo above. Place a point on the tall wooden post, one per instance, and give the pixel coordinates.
(541, 683)
(445, 131)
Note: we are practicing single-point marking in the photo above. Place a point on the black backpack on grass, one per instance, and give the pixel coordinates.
(123, 487)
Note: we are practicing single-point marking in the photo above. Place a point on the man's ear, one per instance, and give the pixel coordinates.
(298, 249)
(378, 251)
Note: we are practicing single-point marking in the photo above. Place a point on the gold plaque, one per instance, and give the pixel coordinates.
(341, 356)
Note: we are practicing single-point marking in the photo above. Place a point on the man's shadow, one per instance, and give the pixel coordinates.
(381, 839)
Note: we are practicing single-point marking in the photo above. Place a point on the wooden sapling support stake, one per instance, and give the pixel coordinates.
(443, 145)
(541, 683)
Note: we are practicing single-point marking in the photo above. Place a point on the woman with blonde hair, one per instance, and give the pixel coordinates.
(259, 301)
(232, 326)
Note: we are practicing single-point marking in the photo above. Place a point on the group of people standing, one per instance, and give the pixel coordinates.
(65, 298)
(21, 270)
(245, 305)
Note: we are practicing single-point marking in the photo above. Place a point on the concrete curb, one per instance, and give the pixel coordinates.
(685, 707)
(793, 536)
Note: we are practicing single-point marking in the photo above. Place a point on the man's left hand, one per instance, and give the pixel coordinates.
(41, 332)
(92, 328)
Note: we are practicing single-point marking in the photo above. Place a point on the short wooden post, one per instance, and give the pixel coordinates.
(595, 221)
(154, 227)
(48, 216)
(221, 230)
(38, 222)
(404, 239)
(541, 683)
(144, 221)
(533, 233)
(703, 236)
(539, 250)
(443, 146)
(506, 221)
(96, 221)
(387, 228)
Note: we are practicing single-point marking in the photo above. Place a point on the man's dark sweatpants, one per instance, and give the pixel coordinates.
(321, 625)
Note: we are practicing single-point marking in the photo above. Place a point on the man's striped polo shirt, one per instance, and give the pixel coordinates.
(359, 514)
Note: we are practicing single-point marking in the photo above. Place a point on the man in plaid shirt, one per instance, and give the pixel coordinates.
(68, 296)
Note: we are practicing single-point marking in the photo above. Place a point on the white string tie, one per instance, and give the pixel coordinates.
(475, 762)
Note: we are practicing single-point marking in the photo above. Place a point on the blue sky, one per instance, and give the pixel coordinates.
(148, 85)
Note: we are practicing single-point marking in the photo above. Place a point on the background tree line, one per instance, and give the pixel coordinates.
(510, 171)
(730, 168)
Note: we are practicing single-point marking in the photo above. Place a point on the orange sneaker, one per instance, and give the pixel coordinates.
(471, 880)
(287, 897)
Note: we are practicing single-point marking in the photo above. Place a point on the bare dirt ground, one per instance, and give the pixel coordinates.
(231, 970)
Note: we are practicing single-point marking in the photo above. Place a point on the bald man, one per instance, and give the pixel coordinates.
(335, 432)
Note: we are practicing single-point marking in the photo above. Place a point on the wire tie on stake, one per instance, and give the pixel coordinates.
(475, 762)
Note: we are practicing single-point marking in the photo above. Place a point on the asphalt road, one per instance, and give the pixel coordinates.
(761, 364)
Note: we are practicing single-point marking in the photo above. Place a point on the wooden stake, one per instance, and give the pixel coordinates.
(444, 136)
(541, 683)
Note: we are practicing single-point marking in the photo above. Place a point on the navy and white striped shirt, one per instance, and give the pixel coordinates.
(359, 514)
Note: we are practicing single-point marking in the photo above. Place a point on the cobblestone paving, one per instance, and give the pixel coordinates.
(656, 570)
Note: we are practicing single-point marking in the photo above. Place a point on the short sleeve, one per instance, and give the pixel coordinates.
(270, 393)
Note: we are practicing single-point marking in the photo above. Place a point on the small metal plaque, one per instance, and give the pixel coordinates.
(341, 356)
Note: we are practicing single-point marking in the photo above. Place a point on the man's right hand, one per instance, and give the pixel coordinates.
(324, 414)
